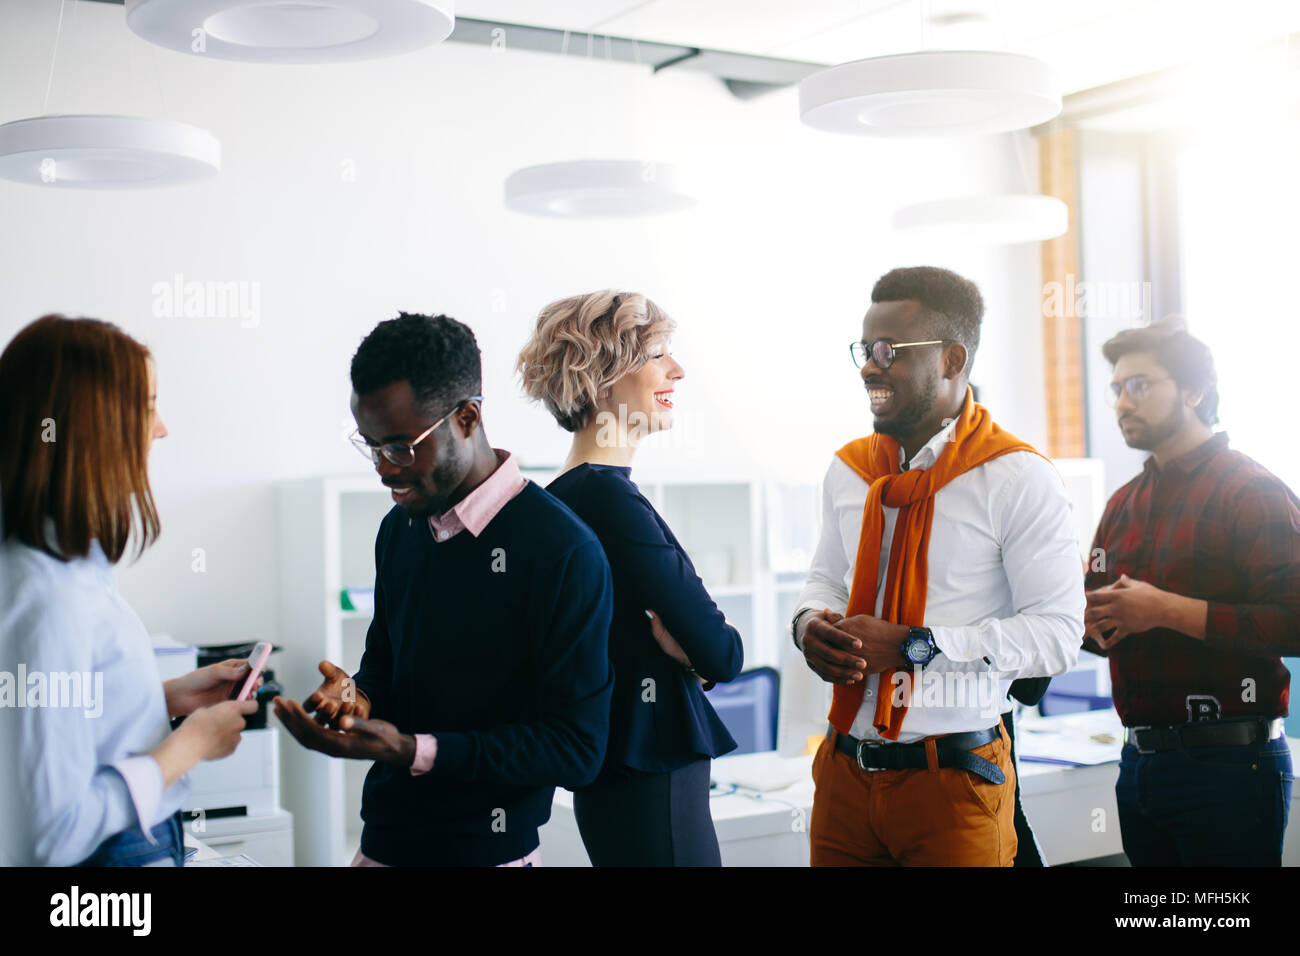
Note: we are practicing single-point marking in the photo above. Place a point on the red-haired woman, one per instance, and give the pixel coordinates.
(92, 770)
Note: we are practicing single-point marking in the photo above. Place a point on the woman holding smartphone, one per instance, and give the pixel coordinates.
(600, 364)
(92, 769)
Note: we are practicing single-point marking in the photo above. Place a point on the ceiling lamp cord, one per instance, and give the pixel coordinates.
(45, 104)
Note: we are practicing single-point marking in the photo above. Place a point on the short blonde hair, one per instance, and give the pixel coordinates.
(584, 344)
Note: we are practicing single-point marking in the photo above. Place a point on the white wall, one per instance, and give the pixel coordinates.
(768, 276)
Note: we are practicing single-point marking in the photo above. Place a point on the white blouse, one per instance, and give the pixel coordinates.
(81, 708)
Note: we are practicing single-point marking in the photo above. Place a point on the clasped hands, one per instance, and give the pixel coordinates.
(342, 726)
(843, 650)
(1123, 608)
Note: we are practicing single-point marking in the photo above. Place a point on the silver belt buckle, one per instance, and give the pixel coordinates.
(1133, 739)
(862, 745)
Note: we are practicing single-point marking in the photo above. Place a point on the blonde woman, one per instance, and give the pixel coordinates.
(92, 770)
(600, 364)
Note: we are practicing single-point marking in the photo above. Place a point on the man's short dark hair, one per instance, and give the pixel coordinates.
(953, 305)
(436, 354)
(1187, 359)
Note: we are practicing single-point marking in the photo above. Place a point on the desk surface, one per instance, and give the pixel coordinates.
(205, 852)
(763, 821)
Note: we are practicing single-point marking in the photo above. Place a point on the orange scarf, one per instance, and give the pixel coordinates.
(975, 439)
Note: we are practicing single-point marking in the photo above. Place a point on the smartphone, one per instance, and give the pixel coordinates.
(257, 664)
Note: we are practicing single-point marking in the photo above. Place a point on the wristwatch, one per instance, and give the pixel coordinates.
(919, 647)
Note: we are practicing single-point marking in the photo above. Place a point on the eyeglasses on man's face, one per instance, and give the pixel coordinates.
(1137, 387)
(883, 352)
(402, 453)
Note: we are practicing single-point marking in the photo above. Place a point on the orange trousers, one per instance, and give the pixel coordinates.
(937, 816)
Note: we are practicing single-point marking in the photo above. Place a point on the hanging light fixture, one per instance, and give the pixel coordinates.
(597, 189)
(994, 219)
(106, 152)
(931, 93)
(281, 31)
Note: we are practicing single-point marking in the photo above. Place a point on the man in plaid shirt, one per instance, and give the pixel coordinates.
(1194, 595)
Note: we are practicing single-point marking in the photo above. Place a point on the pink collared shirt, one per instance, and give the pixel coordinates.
(472, 513)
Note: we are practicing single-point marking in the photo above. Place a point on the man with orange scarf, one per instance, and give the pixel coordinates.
(947, 567)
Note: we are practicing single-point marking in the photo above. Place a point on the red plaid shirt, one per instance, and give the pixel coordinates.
(1213, 525)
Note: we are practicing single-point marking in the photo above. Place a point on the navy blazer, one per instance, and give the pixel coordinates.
(659, 719)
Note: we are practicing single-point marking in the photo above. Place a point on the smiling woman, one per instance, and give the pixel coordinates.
(584, 345)
(601, 365)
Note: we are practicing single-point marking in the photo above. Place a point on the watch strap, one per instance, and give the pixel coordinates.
(794, 626)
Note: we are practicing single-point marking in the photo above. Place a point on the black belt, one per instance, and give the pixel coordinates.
(1204, 733)
(953, 751)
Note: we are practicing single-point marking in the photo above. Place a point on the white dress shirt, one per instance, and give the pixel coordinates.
(80, 772)
(1005, 592)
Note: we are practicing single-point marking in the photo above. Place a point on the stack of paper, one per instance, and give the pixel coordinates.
(1077, 740)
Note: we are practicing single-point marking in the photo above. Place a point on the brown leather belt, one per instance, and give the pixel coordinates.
(953, 750)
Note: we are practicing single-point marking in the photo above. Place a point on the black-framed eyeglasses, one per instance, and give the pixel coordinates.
(399, 452)
(883, 352)
(1137, 387)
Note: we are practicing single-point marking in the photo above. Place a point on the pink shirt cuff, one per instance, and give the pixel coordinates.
(426, 748)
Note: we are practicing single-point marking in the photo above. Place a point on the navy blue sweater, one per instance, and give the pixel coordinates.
(666, 724)
(496, 645)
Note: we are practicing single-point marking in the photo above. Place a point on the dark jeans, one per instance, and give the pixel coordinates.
(1027, 849)
(1205, 806)
(631, 818)
(130, 848)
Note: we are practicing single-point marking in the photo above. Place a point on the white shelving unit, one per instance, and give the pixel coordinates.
(751, 542)
(745, 537)
(327, 542)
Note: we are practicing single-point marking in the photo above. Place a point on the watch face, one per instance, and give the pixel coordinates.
(918, 649)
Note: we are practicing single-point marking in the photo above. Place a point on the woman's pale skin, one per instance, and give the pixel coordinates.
(647, 397)
(213, 722)
(611, 438)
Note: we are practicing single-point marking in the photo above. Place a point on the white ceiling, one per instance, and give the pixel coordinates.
(1089, 42)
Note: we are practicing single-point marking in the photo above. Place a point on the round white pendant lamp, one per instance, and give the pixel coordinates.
(280, 31)
(597, 189)
(992, 220)
(931, 93)
(106, 152)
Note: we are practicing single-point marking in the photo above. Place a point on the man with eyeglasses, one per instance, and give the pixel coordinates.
(947, 568)
(1196, 601)
(485, 681)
